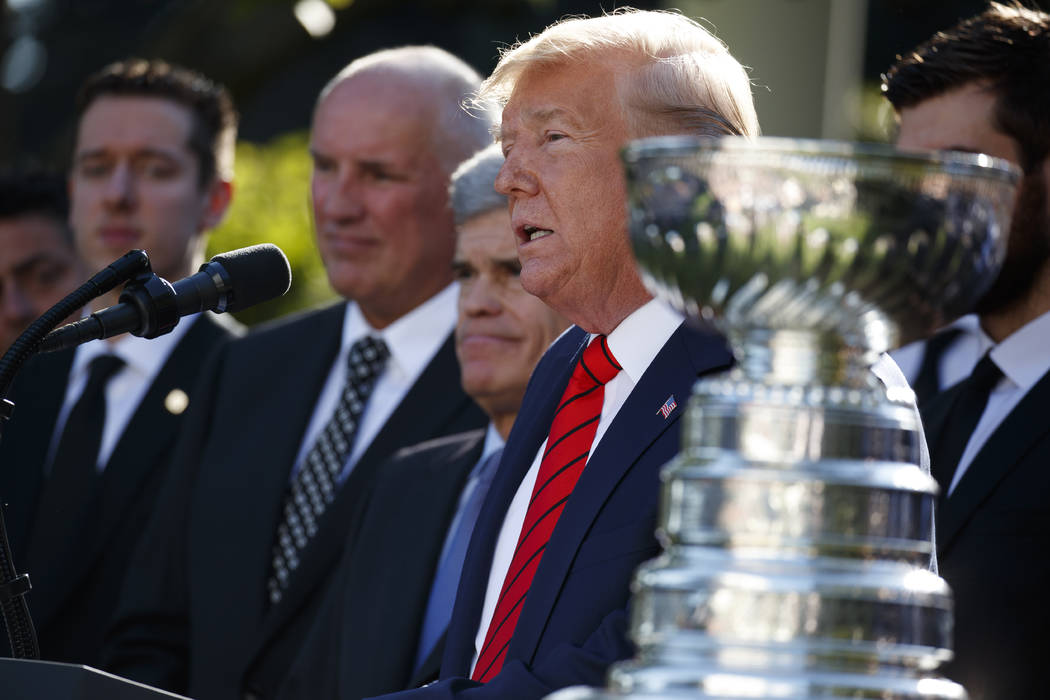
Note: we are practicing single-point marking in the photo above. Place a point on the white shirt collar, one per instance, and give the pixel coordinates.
(1022, 356)
(971, 324)
(968, 323)
(493, 442)
(639, 337)
(406, 337)
(144, 356)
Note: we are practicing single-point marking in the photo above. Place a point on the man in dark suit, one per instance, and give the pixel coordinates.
(984, 86)
(572, 510)
(382, 625)
(297, 418)
(83, 456)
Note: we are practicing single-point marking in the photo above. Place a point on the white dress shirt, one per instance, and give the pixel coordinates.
(413, 341)
(124, 392)
(634, 343)
(1024, 359)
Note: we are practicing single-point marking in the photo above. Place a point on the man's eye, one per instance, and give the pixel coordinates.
(93, 169)
(323, 165)
(160, 170)
(462, 272)
(381, 174)
(49, 273)
(554, 136)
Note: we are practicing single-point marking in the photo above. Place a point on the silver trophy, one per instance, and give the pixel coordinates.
(796, 521)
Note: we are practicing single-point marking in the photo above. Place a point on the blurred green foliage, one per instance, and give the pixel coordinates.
(876, 121)
(271, 201)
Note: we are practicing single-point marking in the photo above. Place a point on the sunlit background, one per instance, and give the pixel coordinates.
(815, 65)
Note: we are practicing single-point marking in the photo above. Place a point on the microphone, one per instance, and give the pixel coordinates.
(150, 306)
(235, 280)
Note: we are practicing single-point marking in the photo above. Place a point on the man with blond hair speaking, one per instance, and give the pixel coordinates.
(572, 510)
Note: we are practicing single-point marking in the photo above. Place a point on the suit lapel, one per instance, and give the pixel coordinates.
(38, 398)
(530, 430)
(999, 456)
(142, 447)
(636, 426)
(153, 427)
(934, 414)
(242, 543)
(430, 668)
(366, 627)
(417, 418)
(433, 497)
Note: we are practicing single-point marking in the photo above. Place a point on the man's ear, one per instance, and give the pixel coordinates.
(217, 201)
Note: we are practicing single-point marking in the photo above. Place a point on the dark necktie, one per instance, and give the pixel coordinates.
(568, 447)
(446, 580)
(963, 416)
(928, 381)
(73, 479)
(314, 485)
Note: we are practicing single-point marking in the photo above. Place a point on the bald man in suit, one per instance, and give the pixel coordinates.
(296, 419)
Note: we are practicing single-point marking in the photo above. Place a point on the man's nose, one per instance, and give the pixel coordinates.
(515, 177)
(480, 297)
(343, 198)
(120, 186)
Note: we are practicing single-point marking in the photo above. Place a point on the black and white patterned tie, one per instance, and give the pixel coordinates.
(314, 486)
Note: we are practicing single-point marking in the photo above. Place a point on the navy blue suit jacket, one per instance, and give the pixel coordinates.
(573, 624)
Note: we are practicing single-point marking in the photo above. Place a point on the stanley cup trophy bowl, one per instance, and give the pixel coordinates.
(796, 521)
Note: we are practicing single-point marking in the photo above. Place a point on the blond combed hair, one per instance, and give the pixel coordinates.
(679, 77)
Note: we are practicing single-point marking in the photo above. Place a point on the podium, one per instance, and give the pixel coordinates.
(22, 679)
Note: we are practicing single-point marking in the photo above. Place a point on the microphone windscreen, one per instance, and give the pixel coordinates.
(257, 273)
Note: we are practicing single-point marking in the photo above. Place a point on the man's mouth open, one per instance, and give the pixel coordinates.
(533, 233)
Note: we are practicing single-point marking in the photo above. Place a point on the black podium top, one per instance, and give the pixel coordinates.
(22, 679)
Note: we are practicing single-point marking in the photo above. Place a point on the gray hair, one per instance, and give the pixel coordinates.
(472, 190)
(462, 125)
(678, 76)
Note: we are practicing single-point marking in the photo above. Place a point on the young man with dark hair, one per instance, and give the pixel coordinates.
(213, 130)
(38, 265)
(983, 86)
(153, 165)
(94, 427)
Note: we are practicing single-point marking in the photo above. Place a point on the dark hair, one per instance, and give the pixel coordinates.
(215, 120)
(34, 191)
(1006, 47)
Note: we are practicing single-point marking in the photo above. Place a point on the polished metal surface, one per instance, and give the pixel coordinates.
(796, 522)
(852, 239)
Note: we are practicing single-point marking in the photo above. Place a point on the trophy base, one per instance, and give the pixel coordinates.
(698, 683)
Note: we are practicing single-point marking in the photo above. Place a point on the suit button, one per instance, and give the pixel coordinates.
(251, 695)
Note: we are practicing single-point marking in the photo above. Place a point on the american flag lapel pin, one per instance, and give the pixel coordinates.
(669, 405)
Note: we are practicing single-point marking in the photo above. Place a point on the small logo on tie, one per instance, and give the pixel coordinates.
(669, 405)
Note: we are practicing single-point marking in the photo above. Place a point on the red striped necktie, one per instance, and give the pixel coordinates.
(568, 445)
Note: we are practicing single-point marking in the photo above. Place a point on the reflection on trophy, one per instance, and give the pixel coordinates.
(796, 521)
